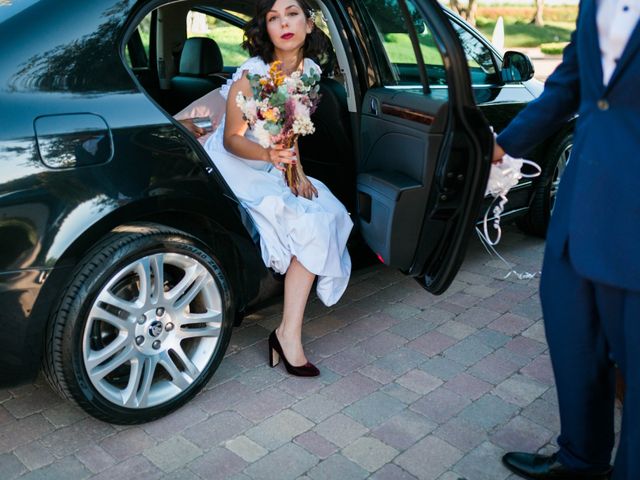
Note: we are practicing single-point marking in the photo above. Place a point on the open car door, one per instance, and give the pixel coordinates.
(425, 148)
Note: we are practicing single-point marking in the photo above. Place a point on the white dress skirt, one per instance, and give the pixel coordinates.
(314, 231)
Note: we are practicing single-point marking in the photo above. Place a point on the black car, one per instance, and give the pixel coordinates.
(125, 259)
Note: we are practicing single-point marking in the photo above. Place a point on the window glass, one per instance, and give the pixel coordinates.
(137, 49)
(227, 36)
(479, 57)
(145, 29)
(392, 33)
(395, 41)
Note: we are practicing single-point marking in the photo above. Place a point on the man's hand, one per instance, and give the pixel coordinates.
(498, 153)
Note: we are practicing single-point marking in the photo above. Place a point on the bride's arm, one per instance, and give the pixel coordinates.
(235, 128)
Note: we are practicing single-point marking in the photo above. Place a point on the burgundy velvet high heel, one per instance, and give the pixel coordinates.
(275, 354)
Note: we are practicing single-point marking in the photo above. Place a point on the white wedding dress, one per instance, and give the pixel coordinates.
(314, 231)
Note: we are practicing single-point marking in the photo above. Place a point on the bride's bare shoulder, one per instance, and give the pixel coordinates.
(242, 84)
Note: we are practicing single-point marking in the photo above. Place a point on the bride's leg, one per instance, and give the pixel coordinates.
(297, 285)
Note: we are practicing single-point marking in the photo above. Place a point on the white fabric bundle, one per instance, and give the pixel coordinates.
(503, 177)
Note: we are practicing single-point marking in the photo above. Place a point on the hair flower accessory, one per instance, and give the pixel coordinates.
(318, 19)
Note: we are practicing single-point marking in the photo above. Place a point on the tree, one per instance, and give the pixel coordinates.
(456, 7)
(467, 12)
(537, 19)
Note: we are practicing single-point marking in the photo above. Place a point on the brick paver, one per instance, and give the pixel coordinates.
(412, 386)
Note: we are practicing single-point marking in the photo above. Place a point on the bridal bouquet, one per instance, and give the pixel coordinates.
(281, 107)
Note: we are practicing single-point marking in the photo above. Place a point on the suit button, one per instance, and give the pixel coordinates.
(603, 104)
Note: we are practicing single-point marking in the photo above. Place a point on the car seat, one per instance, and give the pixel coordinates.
(328, 154)
(200, 71)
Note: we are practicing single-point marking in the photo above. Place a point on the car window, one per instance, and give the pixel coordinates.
(392, 33)
(227, 36)
(137, 48)
(479, 58)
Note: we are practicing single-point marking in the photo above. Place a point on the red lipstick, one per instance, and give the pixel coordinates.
(286, 36)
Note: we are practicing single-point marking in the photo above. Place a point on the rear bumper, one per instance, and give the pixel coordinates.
(21, 327)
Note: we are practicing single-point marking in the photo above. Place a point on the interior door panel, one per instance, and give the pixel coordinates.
(424, 152)
(402, 133)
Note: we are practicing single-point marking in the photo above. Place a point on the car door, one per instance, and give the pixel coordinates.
(424, 153)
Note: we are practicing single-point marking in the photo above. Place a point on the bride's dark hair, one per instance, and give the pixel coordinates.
(257, 41)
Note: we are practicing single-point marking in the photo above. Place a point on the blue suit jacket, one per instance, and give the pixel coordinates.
(598, 205)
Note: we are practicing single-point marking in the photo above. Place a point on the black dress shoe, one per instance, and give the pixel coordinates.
(547, 467)
(276, 353)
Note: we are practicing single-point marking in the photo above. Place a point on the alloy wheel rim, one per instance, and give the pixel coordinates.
(563, 159)
(152, 330)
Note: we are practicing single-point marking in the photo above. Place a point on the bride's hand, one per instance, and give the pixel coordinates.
(278, 155)
(304, 187)
(192, 127)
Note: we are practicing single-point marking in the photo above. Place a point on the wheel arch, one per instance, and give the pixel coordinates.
(542, 152)
(229, 242)
(535, 221)
(66, 336)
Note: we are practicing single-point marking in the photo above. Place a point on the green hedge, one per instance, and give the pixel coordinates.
(554, 48)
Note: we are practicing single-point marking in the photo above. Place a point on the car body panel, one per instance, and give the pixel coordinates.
(56, 215)
(74, 68)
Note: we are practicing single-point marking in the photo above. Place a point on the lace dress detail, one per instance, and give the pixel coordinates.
(314, 231)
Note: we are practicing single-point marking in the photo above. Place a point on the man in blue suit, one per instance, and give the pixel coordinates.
(590, 286)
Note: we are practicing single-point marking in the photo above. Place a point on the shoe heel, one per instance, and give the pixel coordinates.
(276, 353)
(274, 358)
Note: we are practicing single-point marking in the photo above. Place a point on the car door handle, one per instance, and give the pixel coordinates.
(374, 106)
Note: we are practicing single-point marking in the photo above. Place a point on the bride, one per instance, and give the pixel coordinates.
(303, 228)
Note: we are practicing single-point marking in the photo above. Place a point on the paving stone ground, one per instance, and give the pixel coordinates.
(412, 386)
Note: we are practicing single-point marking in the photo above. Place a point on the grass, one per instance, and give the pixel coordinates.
(524, 34)
(520, 32)
(555, 48)
(399, 49)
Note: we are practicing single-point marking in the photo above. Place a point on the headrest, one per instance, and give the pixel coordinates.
(200, 56)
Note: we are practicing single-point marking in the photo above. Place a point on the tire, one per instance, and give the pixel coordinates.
(125, 354)
(536, 221)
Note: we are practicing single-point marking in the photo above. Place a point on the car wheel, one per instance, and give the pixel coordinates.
(537, 219)
(142, 325)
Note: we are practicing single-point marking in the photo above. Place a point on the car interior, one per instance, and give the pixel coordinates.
(183, 50)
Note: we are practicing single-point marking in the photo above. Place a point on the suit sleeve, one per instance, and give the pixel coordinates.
(546, 114)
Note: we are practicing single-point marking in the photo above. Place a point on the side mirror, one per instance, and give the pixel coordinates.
(516, 67)
(421, 27)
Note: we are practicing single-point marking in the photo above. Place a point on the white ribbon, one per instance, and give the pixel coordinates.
(502, 178)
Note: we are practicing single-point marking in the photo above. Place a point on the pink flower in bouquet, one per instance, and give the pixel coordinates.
(281, 108)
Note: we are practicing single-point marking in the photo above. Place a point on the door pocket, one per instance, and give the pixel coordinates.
(387, 204)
